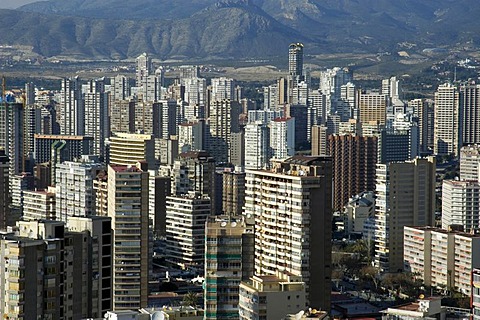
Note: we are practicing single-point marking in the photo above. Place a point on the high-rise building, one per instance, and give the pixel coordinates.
(447, 130)
(373, 107)
(233, 192)
(160, 188)
(151, 89)
(441, 258)
(119, 88)
(56, 273)
(74, 187)
(72, 108)
(223, 121)
(128, 208)
(319, 140)
(191, 136)
(470, 163)
(39, 205)
(398, 145)
(415, 182)
(196, 91)
(282, 137)
(92, 243)
(299, 112)
(295, 59)
(62, 147)
(237, 149)
(185, 229)
(97, 124)
(223, 89)
(470, 110)
(354, 160)
(194, 171)
(461, 205)
(128, 149)
(143, 68)
(228, 260)
(5, 195)
(291, 204)
(187, 72)
(122, 116)
(257, 145)
(12, 138)
(423, 111)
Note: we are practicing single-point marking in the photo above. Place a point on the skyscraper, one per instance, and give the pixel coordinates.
(194, 171)
(461, 205)
(295, 59)
(257, 145)
(354, 160)
(470, 105)
(185, 229)
(74, 187)
(282, 137)
(72, 108)
(97, 124)
(291, 204)
(128, 149)
(143, 68)
(5, 196)
(228, 260)
(128, 208)
(415, 182)
(223, 89)
(373, 107)
(447, 130)
(224, 120)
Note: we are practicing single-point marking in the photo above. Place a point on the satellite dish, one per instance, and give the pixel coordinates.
(234, 224)
(158, 315)
(223, 224)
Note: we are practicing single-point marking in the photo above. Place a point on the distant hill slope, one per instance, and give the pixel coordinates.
(236, 28)
(231, 30)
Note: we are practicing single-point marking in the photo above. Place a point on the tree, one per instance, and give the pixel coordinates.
(190, 299)
(372, 274)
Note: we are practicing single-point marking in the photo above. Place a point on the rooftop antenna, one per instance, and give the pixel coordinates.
(455, 74)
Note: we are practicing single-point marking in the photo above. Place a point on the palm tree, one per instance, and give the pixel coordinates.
(190, 299)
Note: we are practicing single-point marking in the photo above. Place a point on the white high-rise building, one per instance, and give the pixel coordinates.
(257, 145)
(72, 108)
(143, 68)
(97, 124)
(282, 137)
(119, 88)
(470, 163)
(196, 91)
(461, 205)
(447, 131)
(223, 89)
(75, 195)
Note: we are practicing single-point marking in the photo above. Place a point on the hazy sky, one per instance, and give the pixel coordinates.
(12, 4)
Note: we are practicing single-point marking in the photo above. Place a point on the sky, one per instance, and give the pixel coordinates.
(12, 4)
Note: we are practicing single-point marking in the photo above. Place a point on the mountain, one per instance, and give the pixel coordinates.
(230, 29)
(236, 28)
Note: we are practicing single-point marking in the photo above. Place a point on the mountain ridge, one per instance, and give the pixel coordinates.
(202, 29)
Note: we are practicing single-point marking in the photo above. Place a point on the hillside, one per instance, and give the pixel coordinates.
(236, 28)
